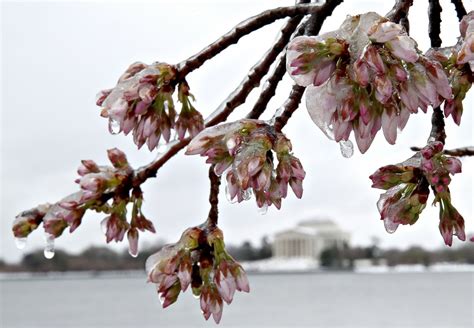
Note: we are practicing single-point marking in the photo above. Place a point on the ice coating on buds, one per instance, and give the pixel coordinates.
(245, 151)
(408, 186)
(101, 190)
(376, 79)
(29, 220)
(466, 51)
(199, 260)
(142, 103)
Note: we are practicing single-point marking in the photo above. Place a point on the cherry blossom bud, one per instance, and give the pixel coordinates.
(385, 31)
(374, 60)
(453, 165)
(29, 220)
(132, 236)
(324, 70)
(404, 48)
(451, 223)
(117, 158)
(383, 88)
(361, 71)
(88, 166)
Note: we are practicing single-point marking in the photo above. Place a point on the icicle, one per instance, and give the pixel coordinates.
(114, 126)
(49, 248)
(103, 225)
(228, 196)
(263, 210)
(390, 226)
(20, 242)
(347, 148)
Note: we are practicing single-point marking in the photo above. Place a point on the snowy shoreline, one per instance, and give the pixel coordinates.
(263, 267)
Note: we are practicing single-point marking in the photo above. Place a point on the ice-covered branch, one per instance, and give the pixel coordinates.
(399, 10)
(289, 107)
(460, 10)
(458, 152)
(434, 13)
(252, 24)
(215, 182)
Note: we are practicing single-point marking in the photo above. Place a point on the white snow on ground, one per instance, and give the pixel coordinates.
(308, 264)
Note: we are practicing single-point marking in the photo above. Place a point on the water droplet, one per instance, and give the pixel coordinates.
(263, 210)
(228, 196)
(49, 248)
(390, 226)
(114, 126)
(347, 148)
(103, 225)
(162, 298)
(247, 194)
(20, 242)
(132, 253)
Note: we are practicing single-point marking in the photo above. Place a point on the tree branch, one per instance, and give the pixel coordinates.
(289, 107)
(434, 14)
(253, 78)
(399, 10)
(458, 152)
(215, 182)
(437, 126)
(459, 7)
(246, 27)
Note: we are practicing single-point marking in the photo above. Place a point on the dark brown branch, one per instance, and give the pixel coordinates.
(311, 28)
(437, 126)
(459, 7)
(233, 36)
(215, 182)
(399, 10)
(434, 14)
(458, 152)
(253, 78)
(289, 107)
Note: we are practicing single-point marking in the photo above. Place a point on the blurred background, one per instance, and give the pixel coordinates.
(56, 56)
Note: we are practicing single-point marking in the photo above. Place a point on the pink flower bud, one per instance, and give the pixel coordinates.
(453, 165)
(404, 48)
(117, 158)
(385, 31)
(373, 59)
(383, 88)
(132, 236)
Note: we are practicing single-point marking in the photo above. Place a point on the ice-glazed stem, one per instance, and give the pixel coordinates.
(459, 7)
(399, 10)
(215, 182)
(434, 14)
(246, 27)
(458, 152)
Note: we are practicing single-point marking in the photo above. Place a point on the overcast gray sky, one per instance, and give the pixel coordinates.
(57, 55)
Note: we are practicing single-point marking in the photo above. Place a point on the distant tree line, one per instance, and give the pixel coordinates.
(337, 258)
(104, 259)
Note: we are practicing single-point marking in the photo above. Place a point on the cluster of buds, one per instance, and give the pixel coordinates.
(95, 182)
(142, 103)
(244, 151)
(458, 62)
(408, 187)
(199, 260)
(366, 76)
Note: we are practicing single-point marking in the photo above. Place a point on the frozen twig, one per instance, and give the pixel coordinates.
(434, 13)
(233, 36)
(215, 182)
(459, 7)
(458, 152)
(399, 10)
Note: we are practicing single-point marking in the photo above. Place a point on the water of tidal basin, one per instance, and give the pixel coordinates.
(286, 300)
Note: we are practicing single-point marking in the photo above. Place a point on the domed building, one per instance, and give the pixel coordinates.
(309, 239)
